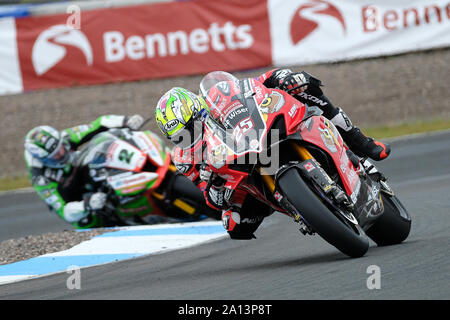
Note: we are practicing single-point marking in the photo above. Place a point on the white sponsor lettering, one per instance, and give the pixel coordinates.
(216, 38)
(312, 98)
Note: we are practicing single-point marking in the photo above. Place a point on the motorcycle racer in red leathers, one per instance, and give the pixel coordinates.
(180, 114)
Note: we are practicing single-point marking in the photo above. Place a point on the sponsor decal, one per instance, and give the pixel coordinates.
(293, 110)
(172, 124)
(46, 193)
(150, 145)
(377, 18)
(327, 139)
(228, 194)
(227, 109)
(119, 44)
(183, 168)
(216, 197)
(251, 220)
(224, 87)
(236, 112)
(373, 199)
(272, 103)
(353, 29)
(134, 189)
(354, 195)
(329, 135)
(283, 73)
(178, 42)
(258, 91)
(312, 98)
(50, 47)
(132, 210)
(308, 16)
(309, 166)
(278, 196)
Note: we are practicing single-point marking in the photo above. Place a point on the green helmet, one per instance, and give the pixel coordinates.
(176, 114)
(47, 145)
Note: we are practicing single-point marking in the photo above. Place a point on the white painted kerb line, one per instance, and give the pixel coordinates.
(126, 243)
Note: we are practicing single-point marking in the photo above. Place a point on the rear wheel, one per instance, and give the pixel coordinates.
(394, 224)
(341, 233)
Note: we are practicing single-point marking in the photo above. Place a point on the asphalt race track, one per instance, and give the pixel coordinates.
(23, 214)
(281, 263)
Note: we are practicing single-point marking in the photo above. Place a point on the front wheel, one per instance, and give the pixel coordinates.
(349, 239)
(394, 224)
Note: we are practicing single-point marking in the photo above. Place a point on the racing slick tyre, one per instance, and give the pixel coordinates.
(394, 224)
(346, 237)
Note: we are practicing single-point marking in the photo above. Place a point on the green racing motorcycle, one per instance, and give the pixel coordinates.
(135, 170)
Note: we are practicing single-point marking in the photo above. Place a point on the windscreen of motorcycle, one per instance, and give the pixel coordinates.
(94, 153)
(106, 150)
(235, 116)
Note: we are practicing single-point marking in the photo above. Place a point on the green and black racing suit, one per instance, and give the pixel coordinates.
(60, 188)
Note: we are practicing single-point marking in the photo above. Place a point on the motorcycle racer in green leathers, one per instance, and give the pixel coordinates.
(49, 154)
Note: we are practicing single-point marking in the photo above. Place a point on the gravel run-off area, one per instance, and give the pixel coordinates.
(13, 250)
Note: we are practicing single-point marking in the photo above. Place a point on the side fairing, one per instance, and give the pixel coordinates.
(321, 132)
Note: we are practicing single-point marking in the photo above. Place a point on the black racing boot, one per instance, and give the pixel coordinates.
(363, 146)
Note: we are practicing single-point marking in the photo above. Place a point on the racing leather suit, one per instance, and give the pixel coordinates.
(242, 215)
(60, 188)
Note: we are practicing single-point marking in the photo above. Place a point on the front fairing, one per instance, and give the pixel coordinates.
(128, 162)
(237, 129)
(239, 124)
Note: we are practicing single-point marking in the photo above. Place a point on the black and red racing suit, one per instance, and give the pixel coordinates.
(241, 214)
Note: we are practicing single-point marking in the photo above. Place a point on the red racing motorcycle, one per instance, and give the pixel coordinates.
(289, 157)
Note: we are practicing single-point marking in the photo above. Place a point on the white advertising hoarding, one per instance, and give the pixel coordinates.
(312, 31)
(11, 78)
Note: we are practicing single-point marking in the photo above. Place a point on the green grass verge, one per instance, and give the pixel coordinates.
(11, 183)
(383, 132)
(380, 132)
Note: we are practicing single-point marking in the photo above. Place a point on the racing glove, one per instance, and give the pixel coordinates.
(216, 193)
(230, 218)
(294, 80)
(134, 122)
(205, 172)
(95, 202)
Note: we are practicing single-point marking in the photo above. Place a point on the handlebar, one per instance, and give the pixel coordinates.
(297, 87)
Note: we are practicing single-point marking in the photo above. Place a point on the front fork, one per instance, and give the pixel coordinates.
(269, 181)
(303, 154)
(314, 172)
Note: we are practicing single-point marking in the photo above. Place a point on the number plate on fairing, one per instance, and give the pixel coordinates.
(122, 155)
